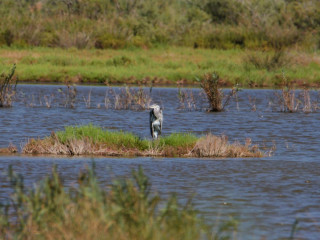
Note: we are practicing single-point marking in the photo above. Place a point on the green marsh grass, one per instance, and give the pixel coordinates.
(165, 65)
(178, 140)
(123, 209)
(93, 140)
(96, 135)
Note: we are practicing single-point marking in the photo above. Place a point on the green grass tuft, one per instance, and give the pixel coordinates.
(178, 140)
(96, 134)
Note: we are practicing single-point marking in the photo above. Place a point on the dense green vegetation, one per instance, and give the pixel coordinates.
(118, 41)
(124, 209)
(221, 24)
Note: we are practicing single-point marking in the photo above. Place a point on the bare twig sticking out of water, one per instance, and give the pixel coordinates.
(48, 100)
(107, 102)
(252, 103)
(190, 100)
(7, 88)
(291, 100)
(186, 98)
(87, 101)
(128, 98)
(69, 95)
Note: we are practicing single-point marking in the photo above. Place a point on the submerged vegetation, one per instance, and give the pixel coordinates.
(124, 209)
(93, 140)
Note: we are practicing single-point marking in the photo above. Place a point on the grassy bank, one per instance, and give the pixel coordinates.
(125, 209)
(159, 65)
(93, 140)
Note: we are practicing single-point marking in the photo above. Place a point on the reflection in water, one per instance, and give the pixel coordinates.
(265, 195)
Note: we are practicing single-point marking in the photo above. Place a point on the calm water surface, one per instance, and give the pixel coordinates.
(266, 195)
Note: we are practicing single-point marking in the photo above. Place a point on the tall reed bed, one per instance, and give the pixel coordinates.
(124, 209)
(93, 140)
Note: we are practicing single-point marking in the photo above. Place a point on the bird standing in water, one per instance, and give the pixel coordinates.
(156, 119)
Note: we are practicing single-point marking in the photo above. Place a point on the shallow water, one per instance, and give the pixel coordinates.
(266, 195)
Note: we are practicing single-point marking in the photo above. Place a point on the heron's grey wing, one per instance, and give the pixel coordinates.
(157, 113)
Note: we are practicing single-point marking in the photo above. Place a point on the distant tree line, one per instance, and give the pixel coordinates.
(223, 24)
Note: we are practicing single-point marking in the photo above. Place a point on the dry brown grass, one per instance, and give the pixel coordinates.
(291, 100)
(207, 146)
(128, 98)
(10, 149)
(215, 146)
(84, 146)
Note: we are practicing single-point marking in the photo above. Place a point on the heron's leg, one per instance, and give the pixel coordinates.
(152, 130)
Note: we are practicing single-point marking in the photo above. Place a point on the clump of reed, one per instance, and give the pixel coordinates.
(123, 209)
(211, 85)
(69, 95)
(189, 100)
(93, 140)
(290, 100)
(128, 98)
(218, 146)
(7, 88)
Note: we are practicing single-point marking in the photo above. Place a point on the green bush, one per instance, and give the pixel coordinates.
(48, 39)
(7, 37)
(101, 24)
(106, 41)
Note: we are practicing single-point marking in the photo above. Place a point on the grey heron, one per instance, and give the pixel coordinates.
(156, 119)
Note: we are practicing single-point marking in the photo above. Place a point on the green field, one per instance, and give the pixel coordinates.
(160, 66)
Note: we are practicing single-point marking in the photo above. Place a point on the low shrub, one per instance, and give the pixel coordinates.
(211, 85)
(106, 41)
(270, 61)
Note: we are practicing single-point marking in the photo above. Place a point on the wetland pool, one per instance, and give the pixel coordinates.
(265, 195)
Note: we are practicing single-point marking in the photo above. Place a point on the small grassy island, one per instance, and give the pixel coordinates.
(93, 140)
